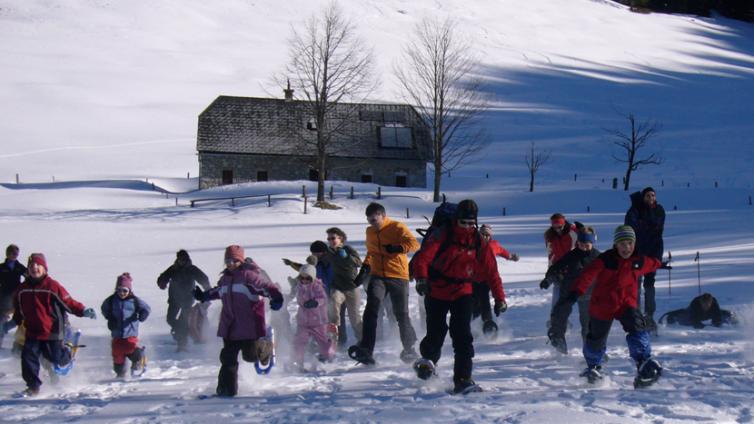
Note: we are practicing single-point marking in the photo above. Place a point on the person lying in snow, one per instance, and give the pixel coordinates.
(702, 308)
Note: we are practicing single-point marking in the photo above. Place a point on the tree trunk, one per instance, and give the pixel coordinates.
(628, 179)
(438, 180)
(531, 182)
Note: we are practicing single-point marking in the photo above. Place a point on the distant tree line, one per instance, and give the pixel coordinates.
(736, 9)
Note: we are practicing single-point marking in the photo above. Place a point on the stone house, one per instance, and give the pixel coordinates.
(244, 139)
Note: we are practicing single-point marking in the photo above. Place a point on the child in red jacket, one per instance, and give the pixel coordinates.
(42, 303)
(614, 296)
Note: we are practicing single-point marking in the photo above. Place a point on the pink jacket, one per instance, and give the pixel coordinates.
(311, 317)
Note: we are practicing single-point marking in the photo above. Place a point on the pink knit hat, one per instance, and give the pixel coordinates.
(235, 252)
(124, 280)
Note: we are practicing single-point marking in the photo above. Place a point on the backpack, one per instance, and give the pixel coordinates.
(442, 220)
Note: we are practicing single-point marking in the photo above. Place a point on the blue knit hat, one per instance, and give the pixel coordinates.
(586, 237)
(624, 232)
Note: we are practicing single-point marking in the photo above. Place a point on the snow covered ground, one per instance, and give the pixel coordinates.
(104, 95)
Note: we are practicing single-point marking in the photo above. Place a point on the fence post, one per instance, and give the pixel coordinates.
(615, 183)
(53, 178)
(379, 192)
(18, 178)
(233, 201)
(504, 211)
(332, 195)
(306, 200)
(408, 215)
(351, 195)
(303, 191)
(750, 200)
(188, 175)
(575, 176)
(715, 183)
(192, 203)
(444, 199)
(269, 200)
(176, 200)
(588, 209)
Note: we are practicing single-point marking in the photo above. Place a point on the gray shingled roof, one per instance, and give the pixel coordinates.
(278, 127)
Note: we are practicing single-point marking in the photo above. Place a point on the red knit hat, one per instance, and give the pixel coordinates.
(39, 259)
(124, 280)
(235, 252)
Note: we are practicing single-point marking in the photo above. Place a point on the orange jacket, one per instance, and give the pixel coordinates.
(382, 263)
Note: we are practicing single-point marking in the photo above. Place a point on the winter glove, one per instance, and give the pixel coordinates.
(363, 275)
(666, 265)
(162, 284)
(342, 253)
(276, 304)
(311, 303)
(89, 313)
(200, 295)
(422, 287)
(500, 307)
(545, 284)
(393, 248)
(287, 261)
(514, 257)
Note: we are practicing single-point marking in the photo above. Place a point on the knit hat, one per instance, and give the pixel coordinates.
(486, 229)
(318, 246)
(124, 280)
(308, 271)
(586, 237)
(647, 190)
(312, 260)
(234, 252)
(624, 232)
(39, 259)
(467, 209)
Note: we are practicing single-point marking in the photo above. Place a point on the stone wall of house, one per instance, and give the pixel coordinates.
(246, 168)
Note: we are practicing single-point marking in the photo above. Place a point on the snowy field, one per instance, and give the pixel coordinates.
(102, 95)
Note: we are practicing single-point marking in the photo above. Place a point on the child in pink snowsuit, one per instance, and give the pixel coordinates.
(312, 317)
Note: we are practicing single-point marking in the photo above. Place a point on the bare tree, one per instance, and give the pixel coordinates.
(534, 160)
(437, 73)
(632, 143)
(328, 64)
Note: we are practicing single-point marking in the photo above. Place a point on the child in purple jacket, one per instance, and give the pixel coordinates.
(312, 317)
(242, 288)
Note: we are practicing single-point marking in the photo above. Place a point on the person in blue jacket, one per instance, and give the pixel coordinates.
(124, 311)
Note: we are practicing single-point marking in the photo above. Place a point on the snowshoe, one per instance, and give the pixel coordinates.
(593, 374)
(28, 392)
(425, 369)
(139, 367)
(72, 343)
(489, 328)
(265, 368)
(464, 387)
(409, 355)
(358, 354)
(648, 372)
(558, 343)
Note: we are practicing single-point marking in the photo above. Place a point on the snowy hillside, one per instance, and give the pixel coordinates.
(104, 95)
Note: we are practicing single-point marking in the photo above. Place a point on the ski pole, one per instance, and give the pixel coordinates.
(670, 259)
(698, 271)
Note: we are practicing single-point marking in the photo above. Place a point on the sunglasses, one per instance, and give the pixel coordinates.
(122, 290)
(466, 222)
(231, 262)
(332, 238)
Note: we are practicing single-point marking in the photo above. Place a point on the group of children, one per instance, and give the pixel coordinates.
(604, 284)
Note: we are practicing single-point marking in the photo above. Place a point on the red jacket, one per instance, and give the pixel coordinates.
(499, 250)
(616, 288)
(42, 306)
(559, 244)
(458, 266)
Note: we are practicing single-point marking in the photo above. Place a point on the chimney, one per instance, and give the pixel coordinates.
(288, 92)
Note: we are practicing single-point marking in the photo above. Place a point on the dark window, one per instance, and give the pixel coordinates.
(261, 175)
(396, 137)
(313, 174)
(366, 178)
(227, 176)
(400, 180)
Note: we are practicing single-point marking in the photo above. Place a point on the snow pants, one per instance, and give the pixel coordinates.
(319, 334)
(637, 337)
(482, 301)
(460, 333)
(52, 350)
(177, 318)
(251, 351)
(351, 300)
(648, 281)
(561, 312)
(397, 289)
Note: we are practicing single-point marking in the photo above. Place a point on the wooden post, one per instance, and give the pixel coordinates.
(588, 209)
(18, 179)
(675, 207)
(715, 184)
(444, 199)
(269, 200)
(176, 200)
(487, 176)
(351, 196)
(331, 193)
(615, 183)
(188, 175)
(192, 203)
(53, 178)
(233, 201)
(662, 183)
(379, 192)
(750, 200)
(408, 215)
(504, 211)
(303, 191)
(575, 176)
(306, 200)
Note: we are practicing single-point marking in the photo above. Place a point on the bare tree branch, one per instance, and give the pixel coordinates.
(535, 160)
(437, 73)
(632, 143)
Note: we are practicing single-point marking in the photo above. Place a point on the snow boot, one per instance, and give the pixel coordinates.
(425, 369)
(266, 360)
(359, 354)
(647, 373)
(465, 386)
(120, 370)
(593, 374)
(489, 328)
(29, 392)
(139, 367)
(558, 343)
(409, 355)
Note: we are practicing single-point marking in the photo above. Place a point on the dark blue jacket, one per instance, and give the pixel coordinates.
(123, 315)
(648, 223)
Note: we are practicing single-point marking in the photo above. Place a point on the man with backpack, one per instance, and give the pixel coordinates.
(388, 243)
(453, 257)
